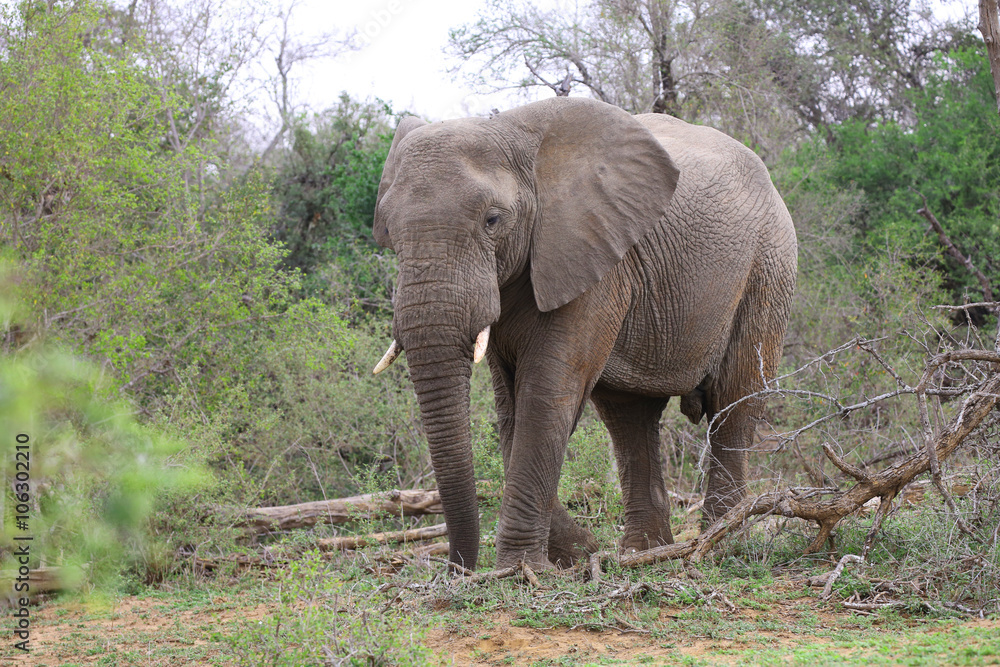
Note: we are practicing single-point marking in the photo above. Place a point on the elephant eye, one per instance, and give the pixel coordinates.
(492, 219)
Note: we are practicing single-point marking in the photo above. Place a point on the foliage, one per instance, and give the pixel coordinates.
(176, 292)
(589, 482)
(950, 155)
(87, 473)
(322, 620)
(120, 259)
(328, 182)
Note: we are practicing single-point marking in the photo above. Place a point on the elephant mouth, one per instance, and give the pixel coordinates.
(482, 342)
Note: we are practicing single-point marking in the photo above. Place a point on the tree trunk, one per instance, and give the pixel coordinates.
(989, 25)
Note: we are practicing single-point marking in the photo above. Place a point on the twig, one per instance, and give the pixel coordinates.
(837, 571)
(871, 606)
(966, 306)
(529, 575)
(867, 347)
(595, 566)
(355, 541)
(884, 507)
(952, 250)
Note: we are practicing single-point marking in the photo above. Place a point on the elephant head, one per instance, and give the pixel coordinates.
(558, 190)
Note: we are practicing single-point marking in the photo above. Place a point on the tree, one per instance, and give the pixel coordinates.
(944, 164)
(756, 69)
(859, 60)
(698, 60)
(328, 180)
(989, 26)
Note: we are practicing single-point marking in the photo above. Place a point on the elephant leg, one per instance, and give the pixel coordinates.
(752, 357)
(568, 541)
(730, 438)
(634, 424)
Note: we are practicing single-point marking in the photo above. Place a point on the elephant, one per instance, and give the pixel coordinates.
(588, 254)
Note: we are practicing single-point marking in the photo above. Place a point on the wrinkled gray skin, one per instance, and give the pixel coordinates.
(624, 259)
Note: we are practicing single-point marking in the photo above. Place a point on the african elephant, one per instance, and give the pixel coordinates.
(590, 254)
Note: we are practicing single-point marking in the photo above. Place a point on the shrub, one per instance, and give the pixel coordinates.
(84, 476)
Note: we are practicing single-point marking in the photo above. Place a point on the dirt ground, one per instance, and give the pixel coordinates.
(138, 629)
(525, 646)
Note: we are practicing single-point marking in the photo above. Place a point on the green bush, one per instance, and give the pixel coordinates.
(948, 153)
(88, 475)
(321, 620)
(327, 183)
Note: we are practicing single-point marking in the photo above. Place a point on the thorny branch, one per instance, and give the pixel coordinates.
(828, 512)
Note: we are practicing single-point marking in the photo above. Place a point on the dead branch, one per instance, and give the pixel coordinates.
(966, 306)
(871, 606)
(412, 502)
(837, 571)
(950, 247)
(828, 513)
(929, 441)
(40, 580)
(884, 507)
(428, 550)
(393, 537)
(845, 467)
(415, 502)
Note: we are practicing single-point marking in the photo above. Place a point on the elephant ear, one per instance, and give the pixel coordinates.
(603, 182)
(379, 229)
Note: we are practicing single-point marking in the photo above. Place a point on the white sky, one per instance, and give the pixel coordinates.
(402, 59)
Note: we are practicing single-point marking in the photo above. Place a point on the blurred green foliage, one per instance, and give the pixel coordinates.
(87, 471)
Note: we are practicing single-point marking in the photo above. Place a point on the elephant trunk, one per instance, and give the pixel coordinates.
(442, 389)
(438, 337)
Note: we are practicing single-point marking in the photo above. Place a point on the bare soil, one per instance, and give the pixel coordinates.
(142, 630)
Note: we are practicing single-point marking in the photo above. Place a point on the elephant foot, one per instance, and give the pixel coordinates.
(640, 540)
(568, 540)
(538, 562)
(567, 551)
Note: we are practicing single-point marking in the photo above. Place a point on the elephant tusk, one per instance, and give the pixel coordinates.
(482, 340)
(389, 357)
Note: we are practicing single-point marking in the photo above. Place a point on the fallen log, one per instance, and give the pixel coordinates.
(405, 502)
(415, 502)
(40, 580)
(393, 537)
